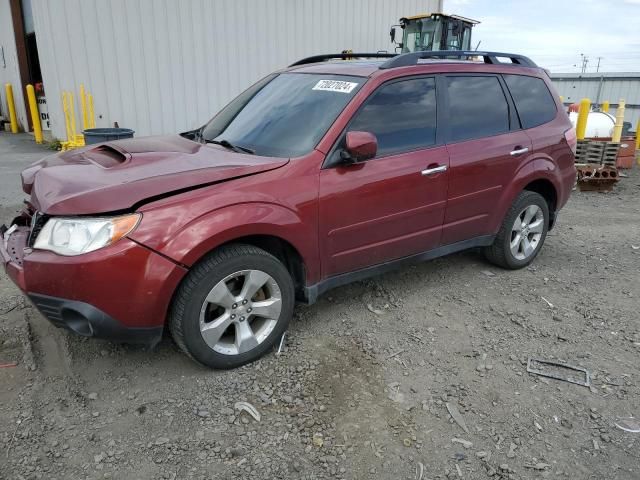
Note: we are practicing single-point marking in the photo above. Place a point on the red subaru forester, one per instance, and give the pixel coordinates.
(324, 173)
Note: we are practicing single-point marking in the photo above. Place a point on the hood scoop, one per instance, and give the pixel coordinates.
(117, 175)
(105, 156)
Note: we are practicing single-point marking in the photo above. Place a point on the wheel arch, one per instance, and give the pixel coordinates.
(280, 248)
(283, 251)
(277, 246)
(540, 176)
(547, 190)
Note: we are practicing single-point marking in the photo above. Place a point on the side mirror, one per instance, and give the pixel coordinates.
(392, 34)
(359, 146)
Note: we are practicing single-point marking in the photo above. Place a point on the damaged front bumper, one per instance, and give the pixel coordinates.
(13, 242)
(121, 292)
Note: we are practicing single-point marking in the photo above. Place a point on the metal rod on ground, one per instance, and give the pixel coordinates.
(605, 106)
(12, 108)
(617, 130)
(583, 114)
(35, 115)
(281, 343)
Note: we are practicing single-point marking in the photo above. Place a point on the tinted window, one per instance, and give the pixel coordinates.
(285, 115)
(477, 108)
(402, 116)
(533, 100)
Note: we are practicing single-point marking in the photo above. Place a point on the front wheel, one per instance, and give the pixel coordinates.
(232, 307)
(522, 233)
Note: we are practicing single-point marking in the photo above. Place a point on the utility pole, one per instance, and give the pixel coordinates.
(598, 67)
(585, 61)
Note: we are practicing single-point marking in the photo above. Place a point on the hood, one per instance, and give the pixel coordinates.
(117, 175)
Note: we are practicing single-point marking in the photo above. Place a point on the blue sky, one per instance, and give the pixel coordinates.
(555, 33)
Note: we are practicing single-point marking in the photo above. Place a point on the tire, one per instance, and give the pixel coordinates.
(500, 252)
(210, 301)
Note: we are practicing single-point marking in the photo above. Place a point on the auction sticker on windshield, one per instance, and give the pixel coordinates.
(335, 86)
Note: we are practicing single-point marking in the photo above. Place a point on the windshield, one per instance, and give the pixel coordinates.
(421, 35)
(283, 115)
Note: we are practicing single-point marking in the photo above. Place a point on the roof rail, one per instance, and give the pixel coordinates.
(342, 56)
(413, 58)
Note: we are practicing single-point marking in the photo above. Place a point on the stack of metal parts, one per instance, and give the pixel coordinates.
(596, 165)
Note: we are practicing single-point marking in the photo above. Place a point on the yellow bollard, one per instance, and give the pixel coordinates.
(92, 115)
(617, 130)
(65, 109)
(35, 115)
(12, 108)
(605, 106)
(83, 107)
(72, 119)
(583, 114)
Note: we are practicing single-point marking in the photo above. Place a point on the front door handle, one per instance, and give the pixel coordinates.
(518, 151)
(434, 170)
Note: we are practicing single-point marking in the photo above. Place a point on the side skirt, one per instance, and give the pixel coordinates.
(312, 292)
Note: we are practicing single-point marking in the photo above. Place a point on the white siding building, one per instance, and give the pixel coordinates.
(601, 87)
(165, 66)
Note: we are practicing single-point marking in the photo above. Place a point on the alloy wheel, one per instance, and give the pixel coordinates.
(526, 232)
(240, 312)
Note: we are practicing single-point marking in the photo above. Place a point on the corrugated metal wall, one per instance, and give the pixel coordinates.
(164, 66)
(9, 70)
(599, 87)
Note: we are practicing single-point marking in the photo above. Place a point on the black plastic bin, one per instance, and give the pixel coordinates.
(98, 135)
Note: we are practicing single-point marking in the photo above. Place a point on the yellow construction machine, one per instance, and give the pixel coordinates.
(433, 31)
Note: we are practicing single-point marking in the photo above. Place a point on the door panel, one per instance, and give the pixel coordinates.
(381, 210)
(486, 147)
(479, 171)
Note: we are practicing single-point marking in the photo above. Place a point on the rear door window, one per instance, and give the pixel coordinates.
(477, 107)
(534, 102)
(402, 116)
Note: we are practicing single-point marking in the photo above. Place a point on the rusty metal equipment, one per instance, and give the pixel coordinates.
(627, 152)
(600, 178)
(596, 158)
(596, 165)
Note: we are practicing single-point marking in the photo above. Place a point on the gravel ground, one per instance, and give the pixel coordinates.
(369, 379)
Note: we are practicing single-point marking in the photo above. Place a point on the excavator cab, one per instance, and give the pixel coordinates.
(435, 31)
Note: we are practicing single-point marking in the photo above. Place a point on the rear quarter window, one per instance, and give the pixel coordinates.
(534, 102)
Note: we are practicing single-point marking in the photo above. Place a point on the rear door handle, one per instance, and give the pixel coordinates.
(518, 151)
(434, 170)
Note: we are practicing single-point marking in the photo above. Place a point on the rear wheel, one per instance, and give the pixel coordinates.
(233, 306)
(522, 233)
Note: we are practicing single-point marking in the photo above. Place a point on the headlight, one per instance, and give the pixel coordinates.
(75, 236)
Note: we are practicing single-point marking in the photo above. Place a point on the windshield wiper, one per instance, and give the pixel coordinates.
(231, 146)
(197, 136)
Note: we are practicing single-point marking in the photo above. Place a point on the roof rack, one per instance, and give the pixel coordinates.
(413, 58)
(342, 56)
